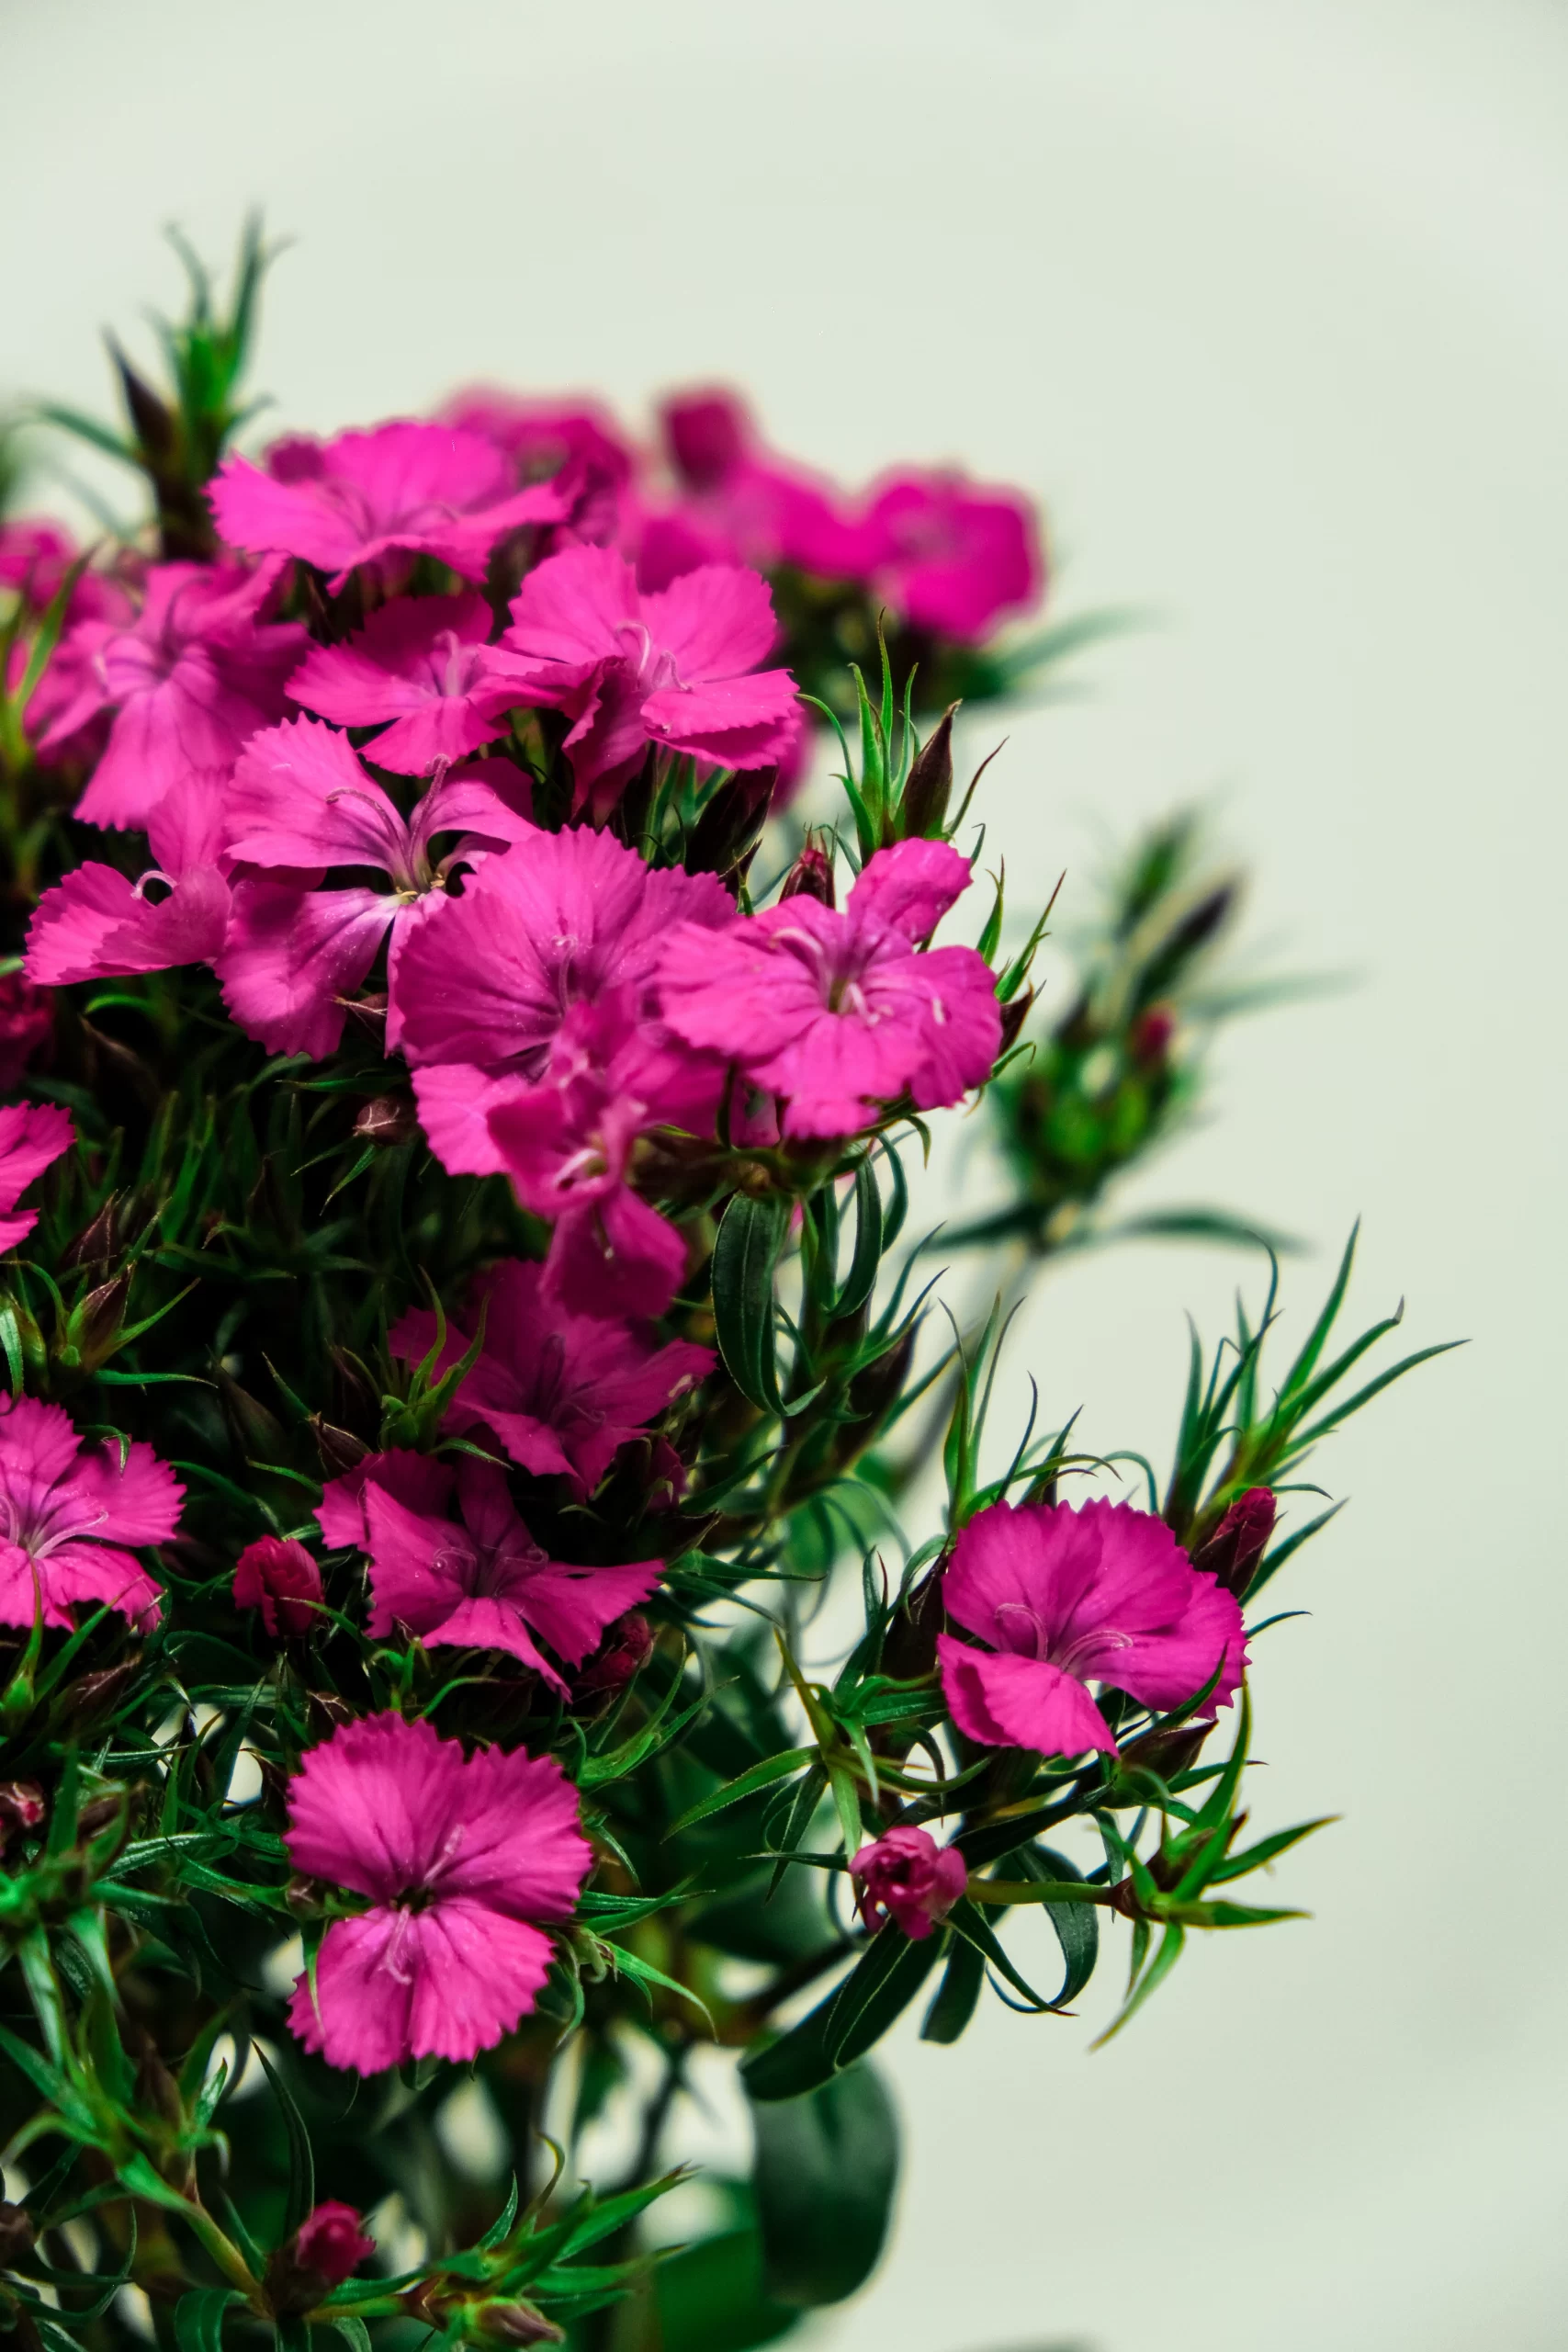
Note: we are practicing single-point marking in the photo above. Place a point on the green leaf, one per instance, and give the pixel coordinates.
(827, 2167)
(957, 1995)
(841, 2029)
(750, 1235)
(760, 1776)
(301, 2195)
(199, 2318)
(860, 1279)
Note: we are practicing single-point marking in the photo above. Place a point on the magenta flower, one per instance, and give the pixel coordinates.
(1065, 1597)
(96, 925)
(278, 1575)
(563, 1392)
(572, 917)
(677, 668)
(400, 488)
(301, 803)
(908, 1877)
(27, 1022)
(950, 556)
(459, 1856)
(546, 438)
(480, 1581)
(838, 1012)
(189, 680)
(424, 662)
(32, 1136)
(330, 2243)
(66, 1517)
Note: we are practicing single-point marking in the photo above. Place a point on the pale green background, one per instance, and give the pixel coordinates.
(1271, 303)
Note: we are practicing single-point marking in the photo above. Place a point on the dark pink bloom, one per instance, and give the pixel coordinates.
(35, 557)
(545, 437)
(1234, 1553)
(678, 669)
(620, 1658)
(27, 1020)
(950, 556)
(480, 1581)
(908, 1877)
(424, 662)
(190, 680)
(300, 804)
(572, 917)
(278, 1575)
(709, 436)
(404, 488)
(839, 1013)
(417, 1480)
(332, 2243)
(459, 1857)
(67, 1517)
(1065, 1597)
(96, 925)
(563, 1392)
(32, 1136)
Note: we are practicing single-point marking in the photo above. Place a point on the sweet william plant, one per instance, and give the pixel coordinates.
(462, 1311)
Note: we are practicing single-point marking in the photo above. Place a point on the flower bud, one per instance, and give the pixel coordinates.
(514, 2322)
(906, 1876)
(22, 1810)
(909, 1650)
(15, 2234)
(624, 1652)
(278, 1575)
(1015, 1012)
(386, 1119)
(93, 1328)
(340, 1450)
(811, 876)
(923, 808)
(1150, 1040)
(1233, 1552)
(326, 2248)
(91, 1696)
(706, 433)
(99, 1241)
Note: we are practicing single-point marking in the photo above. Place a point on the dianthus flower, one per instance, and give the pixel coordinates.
(67, 1515)
(26, 1019)
(459, 1857)
(563, 1392)
(301, 803)
(330, 2243)
(278, 1575)
(189, 681)
(545, 437)
(32, 1136)
(1065, 1597)
(478, 1580)
(949, 555)
(400, 490)
(678, 668)
(835, 1011)
(908, 1877)
(570, 918)
(96, 925)
(425, 664)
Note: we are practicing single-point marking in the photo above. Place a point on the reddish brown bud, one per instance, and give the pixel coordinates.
(92, 1696)
(1015, 1012)
(278, 1575)
(22, 1809)
(1233, 1552)
(515, 2322)
(909, 1649)
(99, 1241)
(386, 1119)
(811, 876)
(1151, 1034)
(624, 1651)
(340, 1450)
(923, 809)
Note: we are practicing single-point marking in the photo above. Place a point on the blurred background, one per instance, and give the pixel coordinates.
(1269, 306)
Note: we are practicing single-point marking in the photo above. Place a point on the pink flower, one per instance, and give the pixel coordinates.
(1065, 1597)
(572, 917)
(838, 1012)
(620, 1658)
(544, 437)
(563, 1392)
(32, 1136)
(670, 669)
(480, 1581)
(190, 680)
(27, 1022)
(301, 803)
(332, 2243)
(404, 488)
(950, 556)
(1234, 1553)
(459, 1857)
(425, 664)
(96, 925)
(908, 1877)
(67, 1515)
(278, 1575)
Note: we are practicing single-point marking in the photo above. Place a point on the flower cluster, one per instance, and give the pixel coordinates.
(462, 1290)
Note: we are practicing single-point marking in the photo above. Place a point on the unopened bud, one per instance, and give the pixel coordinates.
(1015, 1012)
(725, 834)
(328, 2246)
(623, 1654)
(92, 1696)
(369, 1013)
(1150, 1040)
(515, 2322)
(1233, 1552)
(278, 1575)
(706, 433)
(15, 2234)
(340, 1450)
(258, 1432)
(923, 808)
(386, 1119)
(811, 876)
(93, 1329)
(22, 1810)
(99, 1241)
(909, 1650)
